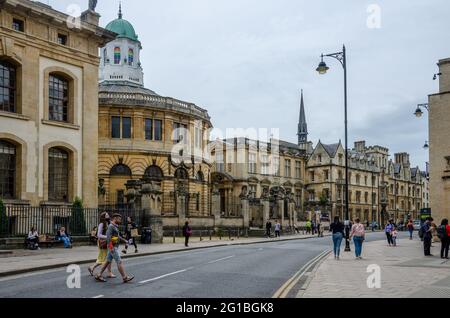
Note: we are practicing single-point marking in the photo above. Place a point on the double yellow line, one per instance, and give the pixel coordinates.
(287, 287)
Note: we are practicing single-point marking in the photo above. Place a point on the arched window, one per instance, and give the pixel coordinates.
(200, 177)
(8, 87)
(154, 173)
(58, 175)
(181, 174)
(58, 98)
(120, 170)
(117, 55)
(7, 169)
(130, 57)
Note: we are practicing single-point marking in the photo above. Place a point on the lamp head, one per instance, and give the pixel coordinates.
(418, 112)
(322, 68)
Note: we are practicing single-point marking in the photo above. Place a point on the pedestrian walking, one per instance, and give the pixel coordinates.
(394, 236)
(277, 229)
(319, 225)
(313, 227)
(102, 246)
(130, 235)
(337, 228)
(308, 226)
(187, 232)
(113, 240)
(434, 233)
(358, 234)
(444, 235)
(388, 230)
(410, 227)
(269, 229)
(427, 236)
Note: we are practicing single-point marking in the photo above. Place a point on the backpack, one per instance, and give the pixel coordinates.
(442, 232)
(421, 232)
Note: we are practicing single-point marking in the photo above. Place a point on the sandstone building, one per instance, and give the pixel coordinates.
(439, 105)
(48, 109)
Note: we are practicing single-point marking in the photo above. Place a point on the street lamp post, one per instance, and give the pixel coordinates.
(322, 69)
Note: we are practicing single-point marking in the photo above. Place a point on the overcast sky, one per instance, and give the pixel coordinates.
(245, 61)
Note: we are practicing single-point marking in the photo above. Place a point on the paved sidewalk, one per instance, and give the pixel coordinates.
(23, 261)
(405, 272)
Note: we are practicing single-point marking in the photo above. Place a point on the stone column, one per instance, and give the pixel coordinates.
(245, 212)
(266, 211)
(151, 205)
(280, 209)
(215, 205)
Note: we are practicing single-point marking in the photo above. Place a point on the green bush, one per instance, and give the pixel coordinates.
(77, 224)
(3, 219)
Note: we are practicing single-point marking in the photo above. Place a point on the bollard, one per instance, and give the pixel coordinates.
(238, 233)
(229, 235)
(174, 239)
(210, 235)
(201, 239)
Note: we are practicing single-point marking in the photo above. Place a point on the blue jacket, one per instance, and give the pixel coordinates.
(426, 230)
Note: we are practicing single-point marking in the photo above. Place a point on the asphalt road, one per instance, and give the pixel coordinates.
(248, 271)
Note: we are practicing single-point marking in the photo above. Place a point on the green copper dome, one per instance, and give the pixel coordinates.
(122, 27)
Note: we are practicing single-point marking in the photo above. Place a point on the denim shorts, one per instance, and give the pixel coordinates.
(114, 255)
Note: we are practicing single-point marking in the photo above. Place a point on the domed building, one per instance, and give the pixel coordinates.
(143, 135)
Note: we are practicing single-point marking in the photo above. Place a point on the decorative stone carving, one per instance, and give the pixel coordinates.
(92, 5)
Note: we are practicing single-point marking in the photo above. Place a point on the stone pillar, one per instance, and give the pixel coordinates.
(280, 209)
(245, 212)
(151, 205)
(266, 211)
(215, 205)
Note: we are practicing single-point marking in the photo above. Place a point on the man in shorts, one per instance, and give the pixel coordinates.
(113, 239)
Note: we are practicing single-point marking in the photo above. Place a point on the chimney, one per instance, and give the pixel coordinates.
(360, 146)
(402, 158)
(444, 78)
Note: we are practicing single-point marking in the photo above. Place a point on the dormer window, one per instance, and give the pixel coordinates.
(18, 25)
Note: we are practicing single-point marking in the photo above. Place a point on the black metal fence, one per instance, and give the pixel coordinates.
(16, 221)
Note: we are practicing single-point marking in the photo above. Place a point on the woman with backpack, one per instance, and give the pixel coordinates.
(130, 235)
(444, 235)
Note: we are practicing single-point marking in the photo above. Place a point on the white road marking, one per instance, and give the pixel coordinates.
(99, 296)
(221, 259)
(163, 276)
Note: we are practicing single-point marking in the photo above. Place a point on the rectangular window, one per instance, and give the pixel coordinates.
(326, 175)
(251, 163)
(115, 127)
(312, 177)
(265, 164)
(18, 25)
(276, 166)
(158, 129)
(58, 98)
(126, 127)
(198, 138)
(62, 39)
(179, 133)
(220, 162)
(287, 168)
(298, 169)
(148, 129)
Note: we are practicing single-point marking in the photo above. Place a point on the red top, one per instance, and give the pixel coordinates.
(448, 230)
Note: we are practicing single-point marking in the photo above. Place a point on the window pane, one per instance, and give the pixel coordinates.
(7, 87)
(58, 175)
(126, 127)
(115, 127)
(158, 129)
(7, 169)
(149, 129)
(58, 98)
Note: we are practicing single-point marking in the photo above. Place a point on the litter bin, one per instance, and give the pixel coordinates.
(146, 236)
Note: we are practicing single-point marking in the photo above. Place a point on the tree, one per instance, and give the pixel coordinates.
(323, 200)
(77, 224)
(3, 219)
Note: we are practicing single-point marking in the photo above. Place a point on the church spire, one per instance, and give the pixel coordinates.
(302, 125)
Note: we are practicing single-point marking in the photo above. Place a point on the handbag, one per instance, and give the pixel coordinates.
(134, 233)
(102, 244)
